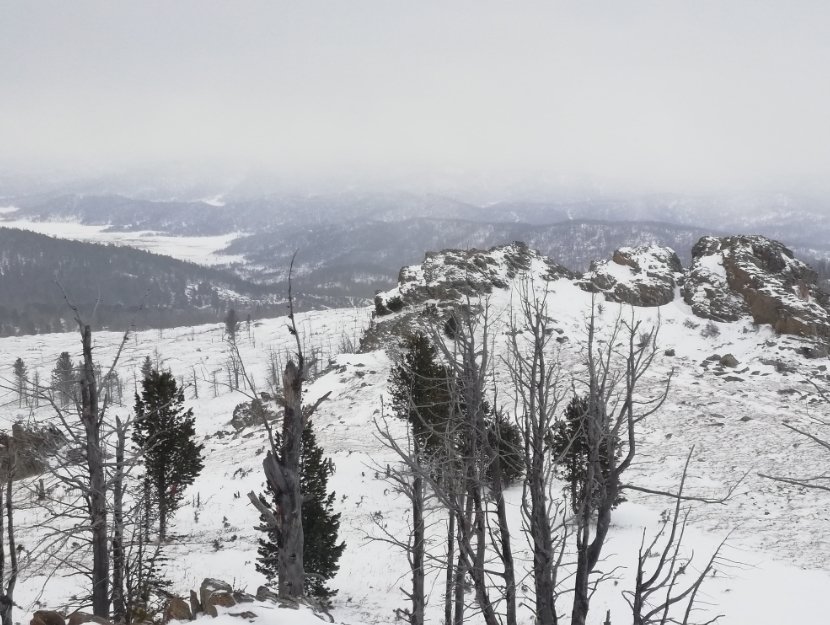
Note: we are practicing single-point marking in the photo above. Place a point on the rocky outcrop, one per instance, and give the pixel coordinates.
(642, 276)
(731, 277)
(176, 609)
(47, 617)
(451, 274)
(215, 593)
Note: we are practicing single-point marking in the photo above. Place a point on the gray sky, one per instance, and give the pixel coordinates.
(657, 95)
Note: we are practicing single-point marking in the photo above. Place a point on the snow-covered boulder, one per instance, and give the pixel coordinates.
(640, 276)
(731, 277)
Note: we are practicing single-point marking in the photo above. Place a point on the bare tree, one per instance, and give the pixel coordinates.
(657, 592)
(814, 482)
(8, 579)
(614, 370)
(537, 391)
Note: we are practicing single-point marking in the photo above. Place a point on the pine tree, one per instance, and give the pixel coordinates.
(569, 440)
(321, 551)
(165, 432)
(63, 378)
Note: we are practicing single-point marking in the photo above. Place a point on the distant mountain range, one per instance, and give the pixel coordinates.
(351, 244)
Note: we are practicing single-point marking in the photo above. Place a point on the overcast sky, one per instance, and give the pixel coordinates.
(658, 95)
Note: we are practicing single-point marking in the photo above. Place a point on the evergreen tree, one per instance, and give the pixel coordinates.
(146, 368)
(63, 378)
(506, 440)
(321, 551)
(21, 374)
(569, 440)
(165, 432)
(231, 324)
(421, 392)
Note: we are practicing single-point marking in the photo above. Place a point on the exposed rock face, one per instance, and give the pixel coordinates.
(214, 592)
(47, 617)
(731, 277)
(640, 276)
(176, 609)
(452, 273)
(78, 618)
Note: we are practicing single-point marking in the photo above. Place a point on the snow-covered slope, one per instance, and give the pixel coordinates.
(731, 415)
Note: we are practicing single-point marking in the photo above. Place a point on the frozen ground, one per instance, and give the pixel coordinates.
(778, 545)
(201, 250)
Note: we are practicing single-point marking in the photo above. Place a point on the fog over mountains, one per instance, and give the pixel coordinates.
(350, 244)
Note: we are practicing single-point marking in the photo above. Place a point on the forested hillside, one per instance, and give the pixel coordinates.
(113, 286)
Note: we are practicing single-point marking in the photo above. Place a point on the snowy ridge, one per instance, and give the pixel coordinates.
(731, 415)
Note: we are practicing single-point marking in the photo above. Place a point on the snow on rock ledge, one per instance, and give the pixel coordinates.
(451, 274)
(640, 276)
(731, 277)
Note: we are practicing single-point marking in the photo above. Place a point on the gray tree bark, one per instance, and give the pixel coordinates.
(119, 607)
(283, 475)
(96, 497)
(7, 508)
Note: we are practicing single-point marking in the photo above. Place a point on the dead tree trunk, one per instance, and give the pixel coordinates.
(450, 568)
(283, 475)
(534, 377)
(96, 497)
(7, 508)
(418, 547)
(119, 607)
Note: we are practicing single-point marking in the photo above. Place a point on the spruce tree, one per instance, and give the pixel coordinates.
(21, 373)
(146, 368)
(63, 378)
(569, 440)
(321, 551)
(420, 389)
(165, 432)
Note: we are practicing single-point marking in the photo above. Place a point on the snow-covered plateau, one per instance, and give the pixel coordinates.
(775, 567)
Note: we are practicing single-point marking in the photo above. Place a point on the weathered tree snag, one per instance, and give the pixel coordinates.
(96, 497)
(119, 606)
(7, 595)
(283, 475)
(418, 546)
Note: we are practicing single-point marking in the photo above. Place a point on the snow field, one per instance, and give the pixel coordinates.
(776, 545)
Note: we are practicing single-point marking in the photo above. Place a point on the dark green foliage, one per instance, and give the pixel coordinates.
(569, 440)
(231, 324)
(146, 368)
(395, 304)
(165, 432)
(380, 307)
(21, 374)
(451, 327)
(421, 392)
(63, 378)
(506, 440)
(321, 551)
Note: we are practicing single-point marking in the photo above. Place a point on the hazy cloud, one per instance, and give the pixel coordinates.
(653, 94)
